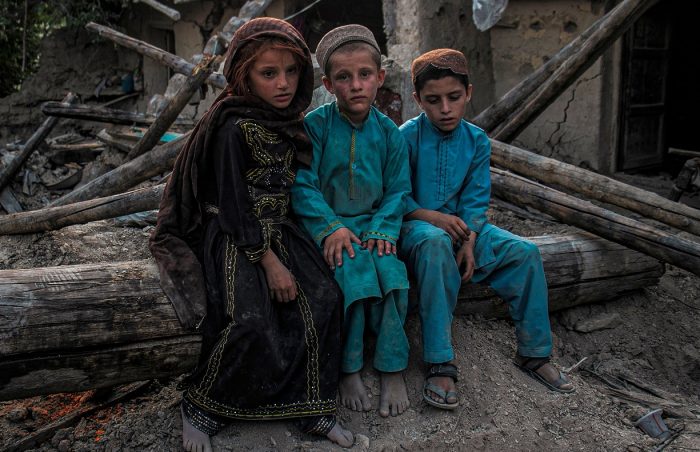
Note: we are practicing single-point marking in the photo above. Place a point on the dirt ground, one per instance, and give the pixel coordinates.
(647, 355)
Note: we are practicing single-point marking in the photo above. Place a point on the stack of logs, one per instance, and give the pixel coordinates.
(128, 330)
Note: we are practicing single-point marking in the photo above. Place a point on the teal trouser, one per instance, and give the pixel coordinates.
(385, 318)
(511, 265)
(375, 291)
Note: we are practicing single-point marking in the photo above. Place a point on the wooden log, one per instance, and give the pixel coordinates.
(566, 74)
(102, 114)
(174, 62)
(78, 327)
(589, 217)
(175, 105)
(594, 40)
(154, 162)
(595, 186)
(8, 173)
(51, 218)
(173, 14)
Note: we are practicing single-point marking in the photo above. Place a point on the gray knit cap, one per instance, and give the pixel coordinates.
(338, 36)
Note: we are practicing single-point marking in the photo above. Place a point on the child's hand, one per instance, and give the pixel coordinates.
(383, 246)
(280, 281)
(465, 260)
(333, 246)
(452, 224)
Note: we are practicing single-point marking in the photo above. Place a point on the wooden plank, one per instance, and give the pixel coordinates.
(552, 172)
(102, 114)
(52, 218)
(589, 217)
(97, 325)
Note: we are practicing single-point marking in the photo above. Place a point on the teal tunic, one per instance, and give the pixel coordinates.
(359, 179)
(450, 174)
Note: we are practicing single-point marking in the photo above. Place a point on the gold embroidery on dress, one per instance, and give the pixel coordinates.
(215, 357)
(313, 383)
(258, 138)
(256, 254)
(277, 203)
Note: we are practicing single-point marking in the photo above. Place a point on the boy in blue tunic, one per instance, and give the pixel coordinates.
(351, 201)
(446, 238)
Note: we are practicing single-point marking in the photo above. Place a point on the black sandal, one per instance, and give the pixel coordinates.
(530, 366)
(441, 370)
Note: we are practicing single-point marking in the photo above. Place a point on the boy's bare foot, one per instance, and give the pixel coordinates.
(340, 436)
(193, 440)
(394, 399)
(353, 394)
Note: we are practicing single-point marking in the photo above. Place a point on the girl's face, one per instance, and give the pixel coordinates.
(274, 77)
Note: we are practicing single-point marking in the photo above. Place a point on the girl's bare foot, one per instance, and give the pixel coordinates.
(340, 436)
(353, 394)
(394, 399)
(193, 440)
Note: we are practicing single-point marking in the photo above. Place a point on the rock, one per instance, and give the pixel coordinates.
(362, 442)
(64, 445)
(18, 414)
(598, 322)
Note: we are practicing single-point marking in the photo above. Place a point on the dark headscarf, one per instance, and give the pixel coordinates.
(179, 227)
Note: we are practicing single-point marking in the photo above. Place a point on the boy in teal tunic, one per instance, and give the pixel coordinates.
(446, 238)
(351, 201)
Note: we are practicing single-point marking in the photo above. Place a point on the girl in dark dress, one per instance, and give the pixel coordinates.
(233, 263)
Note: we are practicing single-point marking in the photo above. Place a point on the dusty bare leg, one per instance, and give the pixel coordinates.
(353, 394)
(192, 439)
(394, 398)
(340, 436)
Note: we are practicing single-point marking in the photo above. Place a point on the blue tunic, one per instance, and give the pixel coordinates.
(359, 179)
(450, 174)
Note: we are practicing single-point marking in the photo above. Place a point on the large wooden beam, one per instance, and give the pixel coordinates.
(154, 162)
(589, 217)
(102, 114)
(51, 218)
(8, 173)
(173, 14)
(77, 327)
(595, 186)
(577, 56)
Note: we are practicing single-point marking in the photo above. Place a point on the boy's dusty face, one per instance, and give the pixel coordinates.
(444, 102)
(354, 79)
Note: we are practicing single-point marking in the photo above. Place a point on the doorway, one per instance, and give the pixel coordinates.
(660, 99)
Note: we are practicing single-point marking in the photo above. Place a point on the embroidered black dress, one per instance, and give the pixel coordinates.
(261, 359)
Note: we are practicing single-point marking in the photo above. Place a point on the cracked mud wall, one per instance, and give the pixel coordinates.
(570, 129)
(416, 26)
